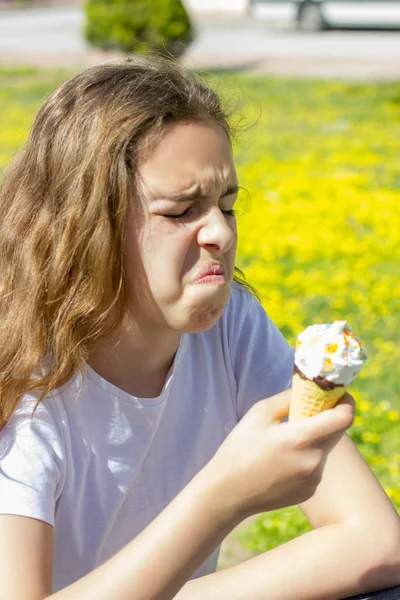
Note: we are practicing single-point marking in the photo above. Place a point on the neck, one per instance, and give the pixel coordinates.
(135, 361)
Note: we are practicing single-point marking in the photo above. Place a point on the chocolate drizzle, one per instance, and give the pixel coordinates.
(322, 383)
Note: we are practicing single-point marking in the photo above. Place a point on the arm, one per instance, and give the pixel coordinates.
(158, 562)
(26, 558)
(355, 547)
(154, 566)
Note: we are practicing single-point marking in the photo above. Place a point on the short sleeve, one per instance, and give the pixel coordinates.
(262, 359)
(31, 462)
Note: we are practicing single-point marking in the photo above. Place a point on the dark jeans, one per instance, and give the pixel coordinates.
(389, 594)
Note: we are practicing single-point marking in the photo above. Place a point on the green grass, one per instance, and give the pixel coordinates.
(22, 92)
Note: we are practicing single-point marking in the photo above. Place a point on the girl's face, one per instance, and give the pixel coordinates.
(180, 246)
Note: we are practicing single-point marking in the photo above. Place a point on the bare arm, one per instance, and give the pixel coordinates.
(154, 566)
(355, 547)
(26, 558)
(158, 562)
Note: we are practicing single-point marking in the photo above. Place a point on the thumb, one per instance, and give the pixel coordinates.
(278, 406)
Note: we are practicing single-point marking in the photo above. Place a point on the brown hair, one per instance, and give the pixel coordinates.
(62, 213)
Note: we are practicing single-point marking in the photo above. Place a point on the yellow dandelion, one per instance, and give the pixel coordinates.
(364, 406)
(379, 460)
(371, 438)
(390, 492)
(392, 416)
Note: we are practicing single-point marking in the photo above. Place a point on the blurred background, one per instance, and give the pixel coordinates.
(317, 149)
(318, 38)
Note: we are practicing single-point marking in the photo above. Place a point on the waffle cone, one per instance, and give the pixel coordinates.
(308, 399)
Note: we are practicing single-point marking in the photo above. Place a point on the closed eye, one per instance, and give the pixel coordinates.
(188, 212)
(230, 212)
(181, 216)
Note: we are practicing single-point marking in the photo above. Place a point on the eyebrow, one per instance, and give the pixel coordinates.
(196, 194)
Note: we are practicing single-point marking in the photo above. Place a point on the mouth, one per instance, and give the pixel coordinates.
(214, 273)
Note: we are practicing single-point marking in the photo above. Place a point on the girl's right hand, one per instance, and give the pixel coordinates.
(265, 464)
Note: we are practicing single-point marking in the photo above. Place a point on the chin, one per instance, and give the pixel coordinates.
(200, 312)
(203, 318)
(203, 321)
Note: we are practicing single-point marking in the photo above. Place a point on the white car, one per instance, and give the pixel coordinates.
(315, 15)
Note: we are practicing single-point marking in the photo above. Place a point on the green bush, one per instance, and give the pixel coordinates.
(138, 25)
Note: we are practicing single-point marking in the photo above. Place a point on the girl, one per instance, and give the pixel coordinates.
(135, 363)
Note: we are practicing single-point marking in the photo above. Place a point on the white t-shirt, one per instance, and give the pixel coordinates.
(101, 466)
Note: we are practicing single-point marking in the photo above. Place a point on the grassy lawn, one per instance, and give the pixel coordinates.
(320, 238)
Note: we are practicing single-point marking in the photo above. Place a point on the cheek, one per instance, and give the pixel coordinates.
(232, 250)
(165, 245)
(235, 233)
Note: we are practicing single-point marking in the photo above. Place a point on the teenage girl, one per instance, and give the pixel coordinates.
(143, 387)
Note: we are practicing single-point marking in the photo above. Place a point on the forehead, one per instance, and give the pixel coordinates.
(189, 153)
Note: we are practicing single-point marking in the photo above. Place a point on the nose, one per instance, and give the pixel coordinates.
(217, 231)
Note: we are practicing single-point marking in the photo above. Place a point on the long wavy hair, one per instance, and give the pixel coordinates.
(63, 203)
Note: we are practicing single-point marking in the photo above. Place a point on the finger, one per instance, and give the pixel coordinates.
(330, 422)
(347, 399)
(277, 406)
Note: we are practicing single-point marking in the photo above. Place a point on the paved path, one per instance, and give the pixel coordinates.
(252, 44)
(53, 37)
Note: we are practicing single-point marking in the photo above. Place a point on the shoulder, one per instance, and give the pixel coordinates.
(242, 305)
(34, 424)
(261, 358)
(245, 331)
(33, 459)
(30, 410)
(245, 316)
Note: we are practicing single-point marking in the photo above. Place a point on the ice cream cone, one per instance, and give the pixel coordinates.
(308, 399)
